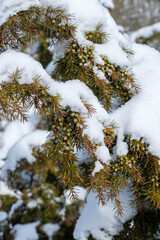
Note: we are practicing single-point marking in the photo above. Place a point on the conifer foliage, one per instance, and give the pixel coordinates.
(39, 185)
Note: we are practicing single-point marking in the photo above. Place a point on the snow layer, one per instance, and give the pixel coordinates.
(81, 194)
(3, 216)
(32, 204)
(11, 7)
(15, 206)
(12, 132)
(74, 93)
(146, 32)
(83, 20)
(101, 221)
(140, 117)
(98, 167)
(25, 231)
(107, 3)
(4, 190)
(50, 229)
(23, 150)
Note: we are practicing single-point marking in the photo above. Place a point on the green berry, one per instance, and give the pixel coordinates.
(77, 125)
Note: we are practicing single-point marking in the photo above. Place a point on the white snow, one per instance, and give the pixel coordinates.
(81, 194)
(74, 94)
(11, 7)
(25, 231)
(23, 150)
(15, 206)
(12, 132)
(32, 204)
(102, 153)
(101, 221)
(139, 117)
(3, 216)
(4, 190)
(50, 229)
(108, 3)
(145, 32)
(98, 167)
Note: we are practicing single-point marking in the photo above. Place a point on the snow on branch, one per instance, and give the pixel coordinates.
(145, 32)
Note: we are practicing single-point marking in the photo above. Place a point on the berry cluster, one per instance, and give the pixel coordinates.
(97, 37)
(83, 55)
(109, 137)
(117, 78)
(144, 160)
(60, 28)
(66, 130)
(122, 162)
(137, 147)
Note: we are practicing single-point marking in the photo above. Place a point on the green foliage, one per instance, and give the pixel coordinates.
(57, 166)
(143, 227)
(149, 40)
(96, 36)
(43, 55)
(15, 98)
(121, 83)
(65, 128)
(43, 203)
(79, 63)
(6, 202)
(27, 25)
(45, 209)
(138, 170)
(66, 136)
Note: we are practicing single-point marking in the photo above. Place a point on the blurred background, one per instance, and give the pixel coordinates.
(136, 14)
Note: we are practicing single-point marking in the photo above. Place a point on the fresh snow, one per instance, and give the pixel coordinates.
(98, 167)
(11, 7)
(50, 229)
(13, 132)
(145, 32)
(140, 117)
(74, 94)
(4, 190)
(25, 231)
(3, 216)
(32, 204)
(80, 192)
(23, 150)
(101, 221)
(14, 207)
(107, 3)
